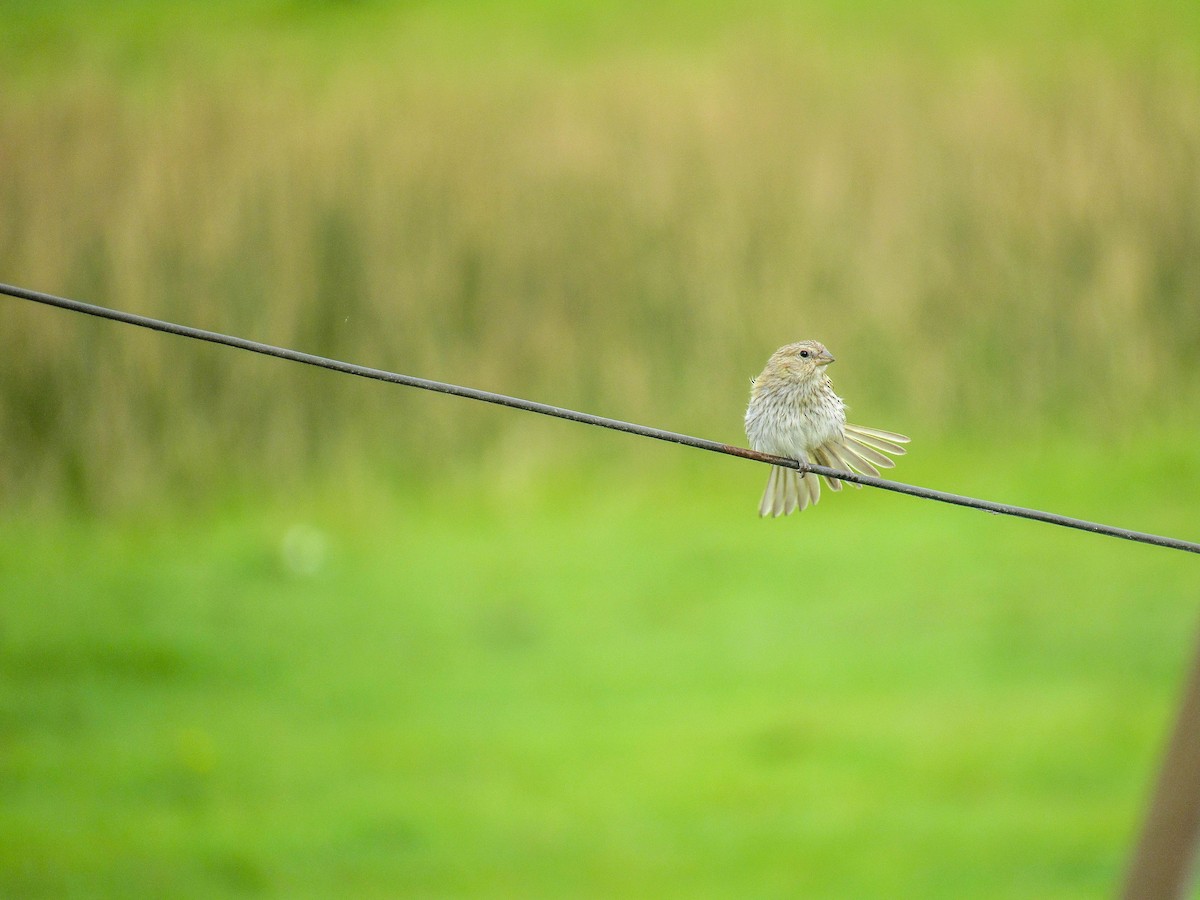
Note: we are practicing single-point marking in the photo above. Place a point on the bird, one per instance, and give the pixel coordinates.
(795, 413)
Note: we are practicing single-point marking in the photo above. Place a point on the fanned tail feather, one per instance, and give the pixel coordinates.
(887, 441)
(824, 456)
(858, 463)
(862, 450)
(787, 491)
(841, 460)
(866, 450)
(868, 453)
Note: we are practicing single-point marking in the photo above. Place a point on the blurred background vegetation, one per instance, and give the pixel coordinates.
(266, 629)
(621, 209)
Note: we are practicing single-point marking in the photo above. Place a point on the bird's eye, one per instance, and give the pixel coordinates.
(804, 354)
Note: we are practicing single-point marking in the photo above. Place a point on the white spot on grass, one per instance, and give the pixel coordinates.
(304, 550)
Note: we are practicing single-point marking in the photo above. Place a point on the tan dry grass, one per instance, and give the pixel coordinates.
(979, 243)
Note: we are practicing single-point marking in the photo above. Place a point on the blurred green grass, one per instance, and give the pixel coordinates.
(571, 687)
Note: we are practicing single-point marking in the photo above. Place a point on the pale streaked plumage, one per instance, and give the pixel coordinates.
(794, 412)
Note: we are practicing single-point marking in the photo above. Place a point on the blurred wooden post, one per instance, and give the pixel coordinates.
(1162, 863)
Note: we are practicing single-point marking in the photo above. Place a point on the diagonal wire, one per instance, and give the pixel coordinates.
(546, 409)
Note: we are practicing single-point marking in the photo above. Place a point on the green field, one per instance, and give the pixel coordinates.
(270, 630)
(610, 686)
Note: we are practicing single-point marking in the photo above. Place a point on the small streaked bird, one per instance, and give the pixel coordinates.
(794, 412)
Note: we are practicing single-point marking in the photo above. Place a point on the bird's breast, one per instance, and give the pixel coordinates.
(791, 422)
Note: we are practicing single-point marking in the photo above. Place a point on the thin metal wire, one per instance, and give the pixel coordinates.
(559, 412)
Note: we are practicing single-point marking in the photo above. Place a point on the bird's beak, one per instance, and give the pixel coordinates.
(825, 358)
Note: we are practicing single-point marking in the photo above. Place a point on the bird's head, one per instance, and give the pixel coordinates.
(802, 360)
